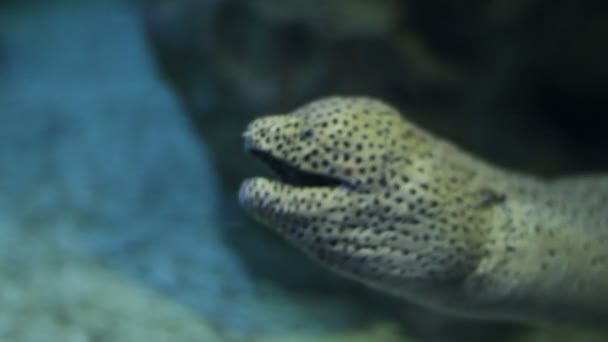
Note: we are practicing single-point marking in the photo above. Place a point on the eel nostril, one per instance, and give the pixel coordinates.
(248, 144)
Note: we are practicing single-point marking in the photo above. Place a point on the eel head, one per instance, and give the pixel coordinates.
(359, 189)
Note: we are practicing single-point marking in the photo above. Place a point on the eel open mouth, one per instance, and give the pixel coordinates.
(294, 176)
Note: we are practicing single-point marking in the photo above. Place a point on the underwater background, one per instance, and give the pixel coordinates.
(121, 152)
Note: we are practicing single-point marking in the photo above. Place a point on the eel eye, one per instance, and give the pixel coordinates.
(307, 133)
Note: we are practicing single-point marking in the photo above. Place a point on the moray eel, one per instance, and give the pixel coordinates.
(379, 200)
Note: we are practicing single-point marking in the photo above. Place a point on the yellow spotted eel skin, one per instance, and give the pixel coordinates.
(382, 201)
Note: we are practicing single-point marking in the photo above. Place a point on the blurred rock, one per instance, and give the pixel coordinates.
(337, 18)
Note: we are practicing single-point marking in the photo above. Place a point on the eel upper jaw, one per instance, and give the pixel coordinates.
(291, 175)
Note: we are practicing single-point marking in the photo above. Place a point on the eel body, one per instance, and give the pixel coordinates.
(382, 201)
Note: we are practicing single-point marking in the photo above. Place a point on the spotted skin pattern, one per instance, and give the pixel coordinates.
(412, 215)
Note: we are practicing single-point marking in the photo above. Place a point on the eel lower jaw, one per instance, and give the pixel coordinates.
(293, 176)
